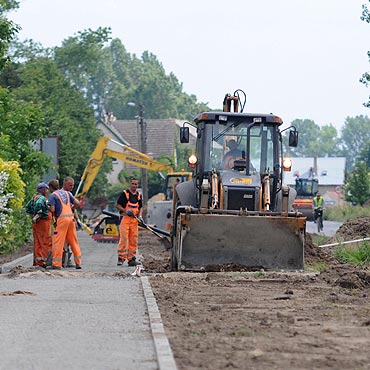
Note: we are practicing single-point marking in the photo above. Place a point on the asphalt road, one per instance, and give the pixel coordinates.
(94, 318)
(330, 228)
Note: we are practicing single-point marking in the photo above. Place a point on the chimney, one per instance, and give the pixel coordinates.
(314, 166)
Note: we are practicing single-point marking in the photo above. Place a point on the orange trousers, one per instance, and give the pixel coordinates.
(65, 231)
(128, 238)
(41, 241)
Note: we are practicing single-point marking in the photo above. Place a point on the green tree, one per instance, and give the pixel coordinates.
(67, 114)
(21, 124)
(314, 141)
(358, 185)
(355, 135)
(308, 132)
(365, 79)
(85, 75)
(365, 154)
(7, 29)
(326, 144)
(82, 61)
(110, 77)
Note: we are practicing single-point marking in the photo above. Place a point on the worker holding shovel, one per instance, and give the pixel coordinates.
(130, 206)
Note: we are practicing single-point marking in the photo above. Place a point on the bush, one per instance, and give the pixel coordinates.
(15, 229)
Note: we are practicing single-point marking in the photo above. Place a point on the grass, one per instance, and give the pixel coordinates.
(354, 254)
(345, 212)
(319, 239)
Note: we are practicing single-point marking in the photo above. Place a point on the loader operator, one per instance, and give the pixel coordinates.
(130, 206)
(61, 203)
(231, 155)
(37, 209)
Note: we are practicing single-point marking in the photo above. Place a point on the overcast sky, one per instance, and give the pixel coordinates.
(295, 58)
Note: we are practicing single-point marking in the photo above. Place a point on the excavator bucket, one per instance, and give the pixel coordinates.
(204, 241)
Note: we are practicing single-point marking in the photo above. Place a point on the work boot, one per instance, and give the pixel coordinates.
(133, 262)
(78, 267)
(120, 262)
(56, 268)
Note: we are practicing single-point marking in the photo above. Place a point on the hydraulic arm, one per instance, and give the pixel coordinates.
(128, 155)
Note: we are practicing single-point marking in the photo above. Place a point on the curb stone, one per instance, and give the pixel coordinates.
(25, 260)
(162, 346)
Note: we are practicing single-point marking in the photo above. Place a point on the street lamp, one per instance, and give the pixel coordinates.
(143, 149)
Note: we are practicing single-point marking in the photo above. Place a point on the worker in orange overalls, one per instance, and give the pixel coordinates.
(129, 204)
(37, 209)
(68, 185)
(61, 204)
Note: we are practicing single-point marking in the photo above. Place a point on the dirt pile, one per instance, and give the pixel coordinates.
(336, 272)
(357, 228)
(346, 276)
(152, 253)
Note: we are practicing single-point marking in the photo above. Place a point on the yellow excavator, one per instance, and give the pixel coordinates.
(107, 229)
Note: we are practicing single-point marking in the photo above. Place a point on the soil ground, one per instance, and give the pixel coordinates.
(265, 320)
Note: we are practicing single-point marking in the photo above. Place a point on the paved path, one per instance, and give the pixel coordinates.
(100, 317)
(330, 227)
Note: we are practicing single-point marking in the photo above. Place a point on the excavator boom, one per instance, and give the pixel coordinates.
(128, 155)
(107, 230)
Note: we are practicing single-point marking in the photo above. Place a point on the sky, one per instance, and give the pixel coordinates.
(294, 58)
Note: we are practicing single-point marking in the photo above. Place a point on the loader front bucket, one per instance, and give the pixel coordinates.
(204, 240)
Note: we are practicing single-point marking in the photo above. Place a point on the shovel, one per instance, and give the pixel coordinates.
(165, 242)
(157, 232)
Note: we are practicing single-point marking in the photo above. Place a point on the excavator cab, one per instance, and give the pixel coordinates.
(237, 210)
(172, 180)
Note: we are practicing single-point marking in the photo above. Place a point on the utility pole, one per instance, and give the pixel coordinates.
(143, 149)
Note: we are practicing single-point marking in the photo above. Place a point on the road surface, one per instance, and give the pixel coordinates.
(330, 227)
(94, 318)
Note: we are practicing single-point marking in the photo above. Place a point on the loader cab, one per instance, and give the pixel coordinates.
(242, 148)
(256, 136)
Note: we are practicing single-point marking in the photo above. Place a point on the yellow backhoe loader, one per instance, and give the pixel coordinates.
(237, 209)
